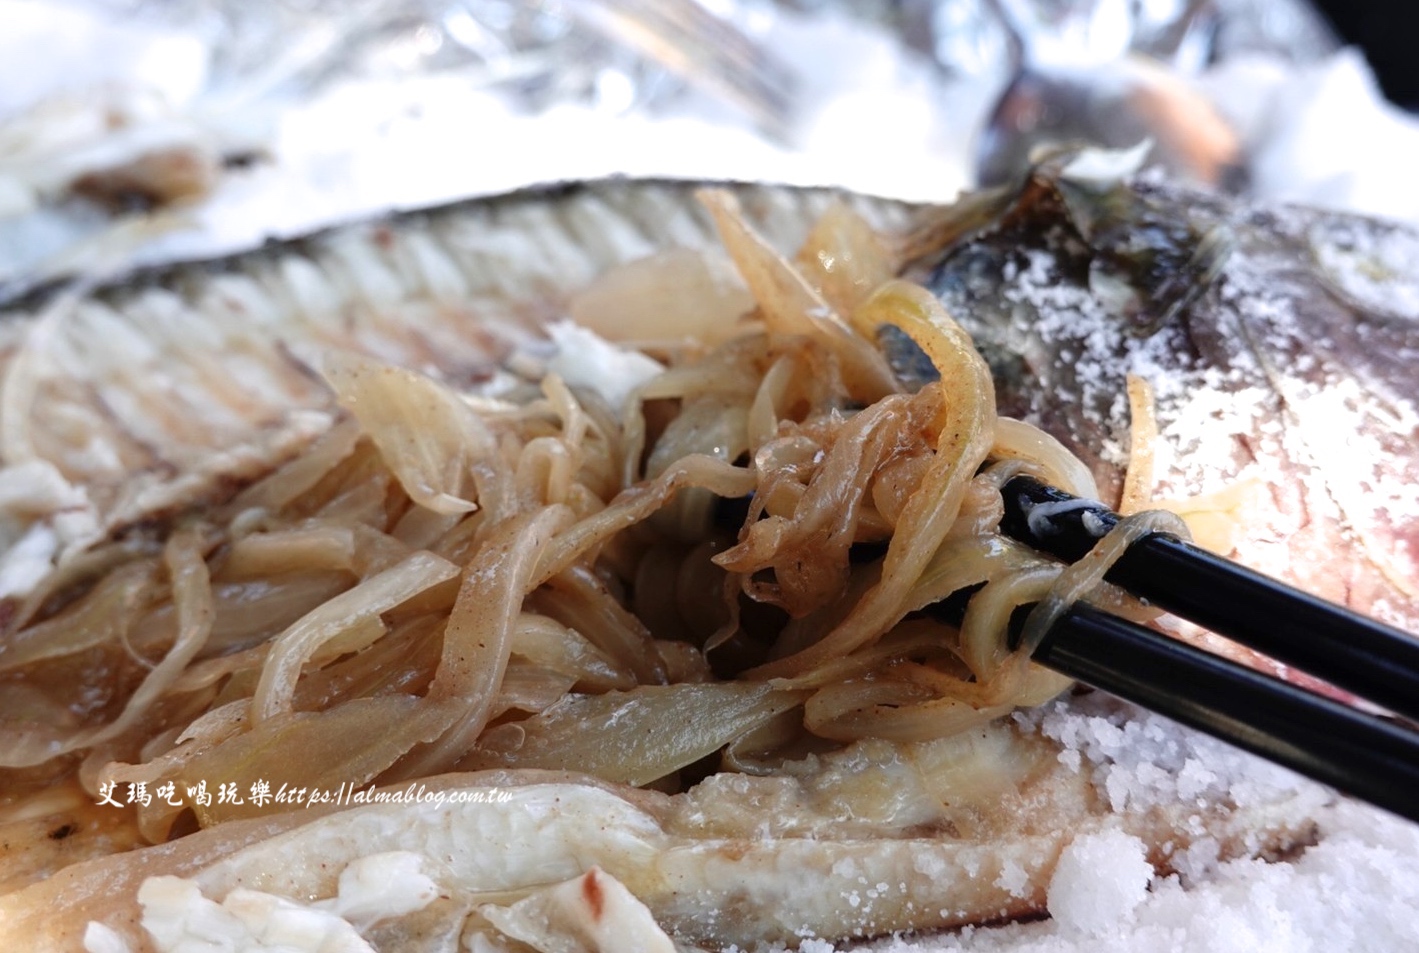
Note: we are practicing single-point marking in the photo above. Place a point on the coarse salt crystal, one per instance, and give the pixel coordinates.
(1099, 881)
(1194, 779)
(586, 359)
(1013, 879)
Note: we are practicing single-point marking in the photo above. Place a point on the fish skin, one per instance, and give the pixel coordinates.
(1267, 369)
(177, 385)
(833, 877)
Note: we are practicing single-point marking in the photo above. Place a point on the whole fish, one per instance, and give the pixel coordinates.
(1279, 347)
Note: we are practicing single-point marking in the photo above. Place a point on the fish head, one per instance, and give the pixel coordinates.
(1280, 345)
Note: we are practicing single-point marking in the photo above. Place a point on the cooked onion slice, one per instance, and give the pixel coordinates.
(426, 433)
(634, 737)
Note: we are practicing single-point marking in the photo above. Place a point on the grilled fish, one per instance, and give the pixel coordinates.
(1280, 344)
(1267, 337)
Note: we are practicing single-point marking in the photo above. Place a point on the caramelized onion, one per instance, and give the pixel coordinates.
(740, 561)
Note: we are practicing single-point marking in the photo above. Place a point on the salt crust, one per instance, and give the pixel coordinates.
(1356, 890)
(1140, 759)
(1199, 401)
(1207, 404)
(1224, 424)
(1375, 265)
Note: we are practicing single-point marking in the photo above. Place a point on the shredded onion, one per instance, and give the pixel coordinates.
(674, 294)
(735, 569)
(1143, 437)
(425, 431)
(644, 734)
(1083, 576)
(340, 615)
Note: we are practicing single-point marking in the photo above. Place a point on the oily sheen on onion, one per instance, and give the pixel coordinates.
(724, 564)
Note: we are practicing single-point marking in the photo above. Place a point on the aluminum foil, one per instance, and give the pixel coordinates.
(288, 115)
(628, 55)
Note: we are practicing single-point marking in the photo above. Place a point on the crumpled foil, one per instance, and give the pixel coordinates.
(908, 98)
(619, 55)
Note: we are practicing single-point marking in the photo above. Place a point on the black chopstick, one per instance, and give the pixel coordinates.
(1348, 650)
(1353, 751)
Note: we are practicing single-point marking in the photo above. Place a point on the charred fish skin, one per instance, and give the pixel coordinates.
(1283, 364)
